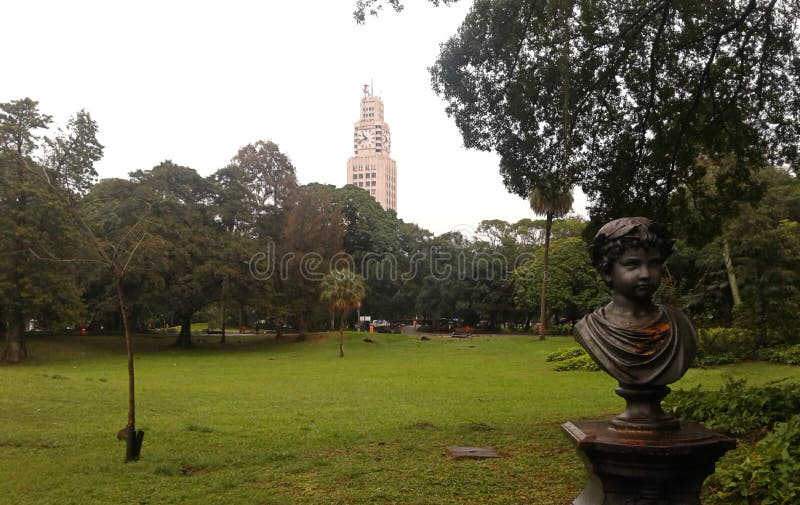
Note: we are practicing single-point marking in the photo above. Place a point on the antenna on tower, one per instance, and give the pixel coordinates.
(371, 87)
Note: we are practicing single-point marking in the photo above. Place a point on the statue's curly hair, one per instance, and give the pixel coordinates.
(619, 235)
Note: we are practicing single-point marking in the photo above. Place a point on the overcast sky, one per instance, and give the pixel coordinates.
(192, 82)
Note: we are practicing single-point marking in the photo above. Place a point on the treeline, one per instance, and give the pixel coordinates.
(246, 244)
(249, 245)
(746, 276)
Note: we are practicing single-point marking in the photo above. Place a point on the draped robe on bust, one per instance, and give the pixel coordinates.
(656, 354)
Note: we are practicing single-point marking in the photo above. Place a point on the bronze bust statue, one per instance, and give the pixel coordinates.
(643, 455)
(643, 345)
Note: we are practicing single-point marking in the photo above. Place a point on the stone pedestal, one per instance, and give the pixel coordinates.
(645, 467)
(643, 409)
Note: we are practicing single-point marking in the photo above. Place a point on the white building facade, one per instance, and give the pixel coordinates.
(372, 167)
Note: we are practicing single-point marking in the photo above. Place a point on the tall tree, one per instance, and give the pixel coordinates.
(342, 289)
(490, 273)
(252, 223)
(574, 287)
(71, 155)
(414, 243)
(553, 202)
(447, 288)
(187, 240)
(232, 208)
(253, 197)
(110, 232)
(765, 251)
(311, 237)
(267, 180)
(497, 232)
(373, 7)
(111, 219)
(19, 120)
(32, 221)
(373, 239)
(653, 86)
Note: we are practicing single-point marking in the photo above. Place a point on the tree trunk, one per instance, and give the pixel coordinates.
(542, 298)
(15, 350)
(726, 252)
(222, 303)
(131, 447)
(341, 336)
(185, 337)
(222, 327)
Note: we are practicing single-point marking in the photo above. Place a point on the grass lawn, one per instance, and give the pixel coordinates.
(263, 422)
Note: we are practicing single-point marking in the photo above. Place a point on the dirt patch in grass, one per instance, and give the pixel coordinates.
(423, 425)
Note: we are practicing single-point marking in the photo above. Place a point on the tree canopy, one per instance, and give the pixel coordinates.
(574, 288)
(373, 7)
(626, 98)
(33, 222)
(177, 247)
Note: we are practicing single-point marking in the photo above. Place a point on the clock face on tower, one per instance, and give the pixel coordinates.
(364, 138)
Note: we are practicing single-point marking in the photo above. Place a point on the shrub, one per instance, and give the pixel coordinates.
(573, 358)
(737, 409)
(739, 342)
(584, 362)
(565, 353)
(560, 329)
(707, 360)
(721, 346)
(788, 355)
(768, 473)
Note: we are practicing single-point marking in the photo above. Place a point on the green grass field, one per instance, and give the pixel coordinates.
(262, 422)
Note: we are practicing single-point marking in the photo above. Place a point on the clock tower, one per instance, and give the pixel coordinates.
(371, 167)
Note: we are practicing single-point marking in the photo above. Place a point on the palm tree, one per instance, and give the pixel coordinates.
(343, 290)
(554, 197)
(553, 202)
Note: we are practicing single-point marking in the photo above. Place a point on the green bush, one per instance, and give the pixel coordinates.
(566, 353)
(707, 360)
(739, 342)
(584, 362)
(559, 329)
(768, 475)
(788, 355)
(737, 409)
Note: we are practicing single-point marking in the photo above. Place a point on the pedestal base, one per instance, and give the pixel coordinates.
(634, 467)
(643, 409)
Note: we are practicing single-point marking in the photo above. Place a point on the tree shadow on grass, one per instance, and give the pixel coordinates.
(48, 348)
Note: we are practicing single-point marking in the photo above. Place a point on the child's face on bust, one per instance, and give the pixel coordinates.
(636, 274)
